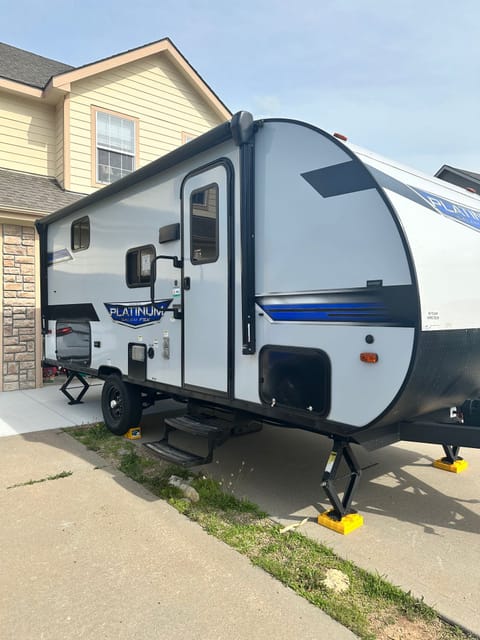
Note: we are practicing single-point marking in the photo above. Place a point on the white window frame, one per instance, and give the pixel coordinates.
(96, 147)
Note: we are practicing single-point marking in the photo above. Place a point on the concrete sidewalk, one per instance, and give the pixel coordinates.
(94, 555)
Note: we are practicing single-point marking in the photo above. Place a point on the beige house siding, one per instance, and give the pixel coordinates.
(153, 91)
(59, 174)
(27, 135)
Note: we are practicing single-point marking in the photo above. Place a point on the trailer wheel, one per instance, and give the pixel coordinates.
(121, 405)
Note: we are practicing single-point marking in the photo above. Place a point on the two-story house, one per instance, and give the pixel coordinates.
(65, 132)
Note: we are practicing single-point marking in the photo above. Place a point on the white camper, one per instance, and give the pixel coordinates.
(269, 271)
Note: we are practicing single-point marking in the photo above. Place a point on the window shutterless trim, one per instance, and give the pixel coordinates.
(94, 148)
(77, 222)
(138, 250)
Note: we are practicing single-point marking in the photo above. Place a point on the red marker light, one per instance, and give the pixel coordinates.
(368, 357)
(340, 136)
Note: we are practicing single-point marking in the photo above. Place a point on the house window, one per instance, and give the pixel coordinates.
(187, 137)
(80, 234)
(139, 265)
(115, 146)
(204, 225)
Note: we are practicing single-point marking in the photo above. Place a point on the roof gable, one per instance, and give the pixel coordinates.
(164, 47)
(21, 69)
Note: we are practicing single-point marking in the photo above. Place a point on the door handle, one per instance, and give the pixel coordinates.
(186, 283)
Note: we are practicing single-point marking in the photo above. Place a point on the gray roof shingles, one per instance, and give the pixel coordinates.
(25, 191)
(28, 68)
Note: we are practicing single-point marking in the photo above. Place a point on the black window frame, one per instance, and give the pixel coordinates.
(76, 222)
(193, 260)
(138, 283)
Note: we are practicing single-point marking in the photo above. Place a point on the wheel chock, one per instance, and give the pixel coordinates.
(134, 433)
(455, 467)
(345, 525)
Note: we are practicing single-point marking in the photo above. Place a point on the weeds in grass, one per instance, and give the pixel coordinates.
(369, 606)
(57, 476)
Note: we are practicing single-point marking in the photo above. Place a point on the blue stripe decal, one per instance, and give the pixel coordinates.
(324, 312)
(458, 212)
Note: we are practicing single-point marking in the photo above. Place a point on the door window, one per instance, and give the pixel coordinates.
(204, 225)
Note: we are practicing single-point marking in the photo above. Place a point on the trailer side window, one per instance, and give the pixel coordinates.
(139, 265)
(80, 234)
(204, 225)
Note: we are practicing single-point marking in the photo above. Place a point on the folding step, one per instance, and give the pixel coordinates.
(194, 426)
(176, 456)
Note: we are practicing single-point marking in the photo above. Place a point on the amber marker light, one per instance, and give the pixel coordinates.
(369, 357)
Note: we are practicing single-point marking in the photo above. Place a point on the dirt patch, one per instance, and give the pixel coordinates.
(405, 629)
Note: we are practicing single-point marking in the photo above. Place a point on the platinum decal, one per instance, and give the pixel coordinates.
(458, 212)
(137, 314)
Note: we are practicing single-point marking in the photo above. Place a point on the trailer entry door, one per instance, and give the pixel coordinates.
(206, 278)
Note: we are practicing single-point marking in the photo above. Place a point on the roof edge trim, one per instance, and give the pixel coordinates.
(19, 87)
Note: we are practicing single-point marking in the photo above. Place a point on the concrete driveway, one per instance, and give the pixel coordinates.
(422, 525)
(47, 408)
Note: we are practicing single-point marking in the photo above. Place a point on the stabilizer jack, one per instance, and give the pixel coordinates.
(64, 388)
(341, 518)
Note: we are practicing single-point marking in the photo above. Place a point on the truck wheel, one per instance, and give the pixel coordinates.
(121, 405)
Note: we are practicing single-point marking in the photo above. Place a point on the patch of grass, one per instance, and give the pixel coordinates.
(93, 437)
(372, 607)
(57, 476)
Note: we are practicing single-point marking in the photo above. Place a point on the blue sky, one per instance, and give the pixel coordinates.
(400, 77)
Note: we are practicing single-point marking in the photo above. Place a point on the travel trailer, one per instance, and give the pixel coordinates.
(269, 272)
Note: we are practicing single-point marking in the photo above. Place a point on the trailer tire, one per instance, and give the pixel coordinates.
(121, 405)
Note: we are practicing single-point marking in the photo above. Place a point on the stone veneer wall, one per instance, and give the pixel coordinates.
(19, 308)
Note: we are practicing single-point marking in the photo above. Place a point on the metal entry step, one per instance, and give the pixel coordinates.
(193, 426)
(174, 455)
(214, 434)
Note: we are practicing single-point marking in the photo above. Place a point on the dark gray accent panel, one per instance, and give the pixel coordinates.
(338, 179)
(72, 312)
(392, 184)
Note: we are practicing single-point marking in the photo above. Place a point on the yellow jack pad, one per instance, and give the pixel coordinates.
(135, 433)
(457, 467)
(344, 526)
